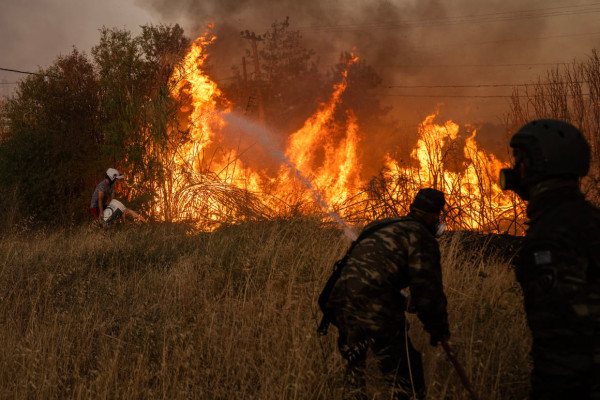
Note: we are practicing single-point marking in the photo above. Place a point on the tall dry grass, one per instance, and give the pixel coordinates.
(155, 312)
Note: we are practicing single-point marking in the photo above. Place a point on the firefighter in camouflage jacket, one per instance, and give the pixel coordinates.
(558, 266)
(369, 298)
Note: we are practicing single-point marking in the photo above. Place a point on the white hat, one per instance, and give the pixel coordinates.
(110, 212)
(113, 174)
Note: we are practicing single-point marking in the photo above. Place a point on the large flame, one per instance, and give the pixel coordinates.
(336, 175)
(202, 174)
(326, 153)
(475, 200)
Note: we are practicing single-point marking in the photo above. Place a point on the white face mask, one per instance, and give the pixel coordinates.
(439, 229)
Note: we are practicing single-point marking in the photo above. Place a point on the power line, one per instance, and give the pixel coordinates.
(478, 65)
(459, 96)
(447, 96)
(492, 85)
(19, 72)
(519, 40)
(470, 19)
(28, 73)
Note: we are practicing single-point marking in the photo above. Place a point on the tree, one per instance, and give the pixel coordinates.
(290, 82)
(138, 113)
(362, 79)
(49, 146)
(69, 123)
(570, 93)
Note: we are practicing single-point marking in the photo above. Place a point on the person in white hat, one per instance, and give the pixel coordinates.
(104, 193)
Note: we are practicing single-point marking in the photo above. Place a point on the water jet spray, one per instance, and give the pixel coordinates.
(265, 137)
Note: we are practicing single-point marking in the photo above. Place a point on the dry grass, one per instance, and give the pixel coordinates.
(153, 312)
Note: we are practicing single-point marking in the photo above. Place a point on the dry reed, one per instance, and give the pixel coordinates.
(571, 93)
(156, 312)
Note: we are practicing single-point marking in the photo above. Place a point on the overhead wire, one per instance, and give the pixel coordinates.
(464, 44)
(479, 65)
(478, 18)
(28, 73)
(485, 85)
(465, 19)
(19, 72)
(456, 96)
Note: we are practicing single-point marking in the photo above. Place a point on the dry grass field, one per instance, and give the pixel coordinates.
(154, 312)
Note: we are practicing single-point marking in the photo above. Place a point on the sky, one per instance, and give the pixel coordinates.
(412, 44)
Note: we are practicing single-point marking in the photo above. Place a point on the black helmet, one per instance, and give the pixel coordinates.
(550, 148)
(555, 149)
(429, 200)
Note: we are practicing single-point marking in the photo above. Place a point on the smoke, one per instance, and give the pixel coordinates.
(412, 45)
(408, 43)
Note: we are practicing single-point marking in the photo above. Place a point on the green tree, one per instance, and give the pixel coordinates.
(49, 146)
(292, 82)
(70, 122)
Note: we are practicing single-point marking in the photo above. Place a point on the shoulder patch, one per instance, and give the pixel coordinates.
(542, 257)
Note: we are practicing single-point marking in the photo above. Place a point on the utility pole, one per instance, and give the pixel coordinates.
(253, 38)
(250, 102)
(245, 74)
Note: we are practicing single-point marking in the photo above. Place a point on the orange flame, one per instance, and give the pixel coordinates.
(335, 176)
(333, 166)
(197, 165)
(474, 196)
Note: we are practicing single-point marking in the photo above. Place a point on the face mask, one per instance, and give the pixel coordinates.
(510, 178)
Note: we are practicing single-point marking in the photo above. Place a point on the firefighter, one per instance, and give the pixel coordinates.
(104, 193)
(558, 265)
(368, 299)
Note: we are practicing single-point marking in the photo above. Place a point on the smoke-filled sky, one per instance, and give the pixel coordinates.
(411, 43)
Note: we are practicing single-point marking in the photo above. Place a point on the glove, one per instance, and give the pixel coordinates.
(437, 335)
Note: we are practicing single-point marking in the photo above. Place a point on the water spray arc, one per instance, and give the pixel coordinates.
(264, 136)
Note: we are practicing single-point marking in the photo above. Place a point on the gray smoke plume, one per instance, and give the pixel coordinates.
(413, 44)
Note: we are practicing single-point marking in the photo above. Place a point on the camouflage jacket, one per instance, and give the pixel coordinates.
(558, 268)
(400, 255)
